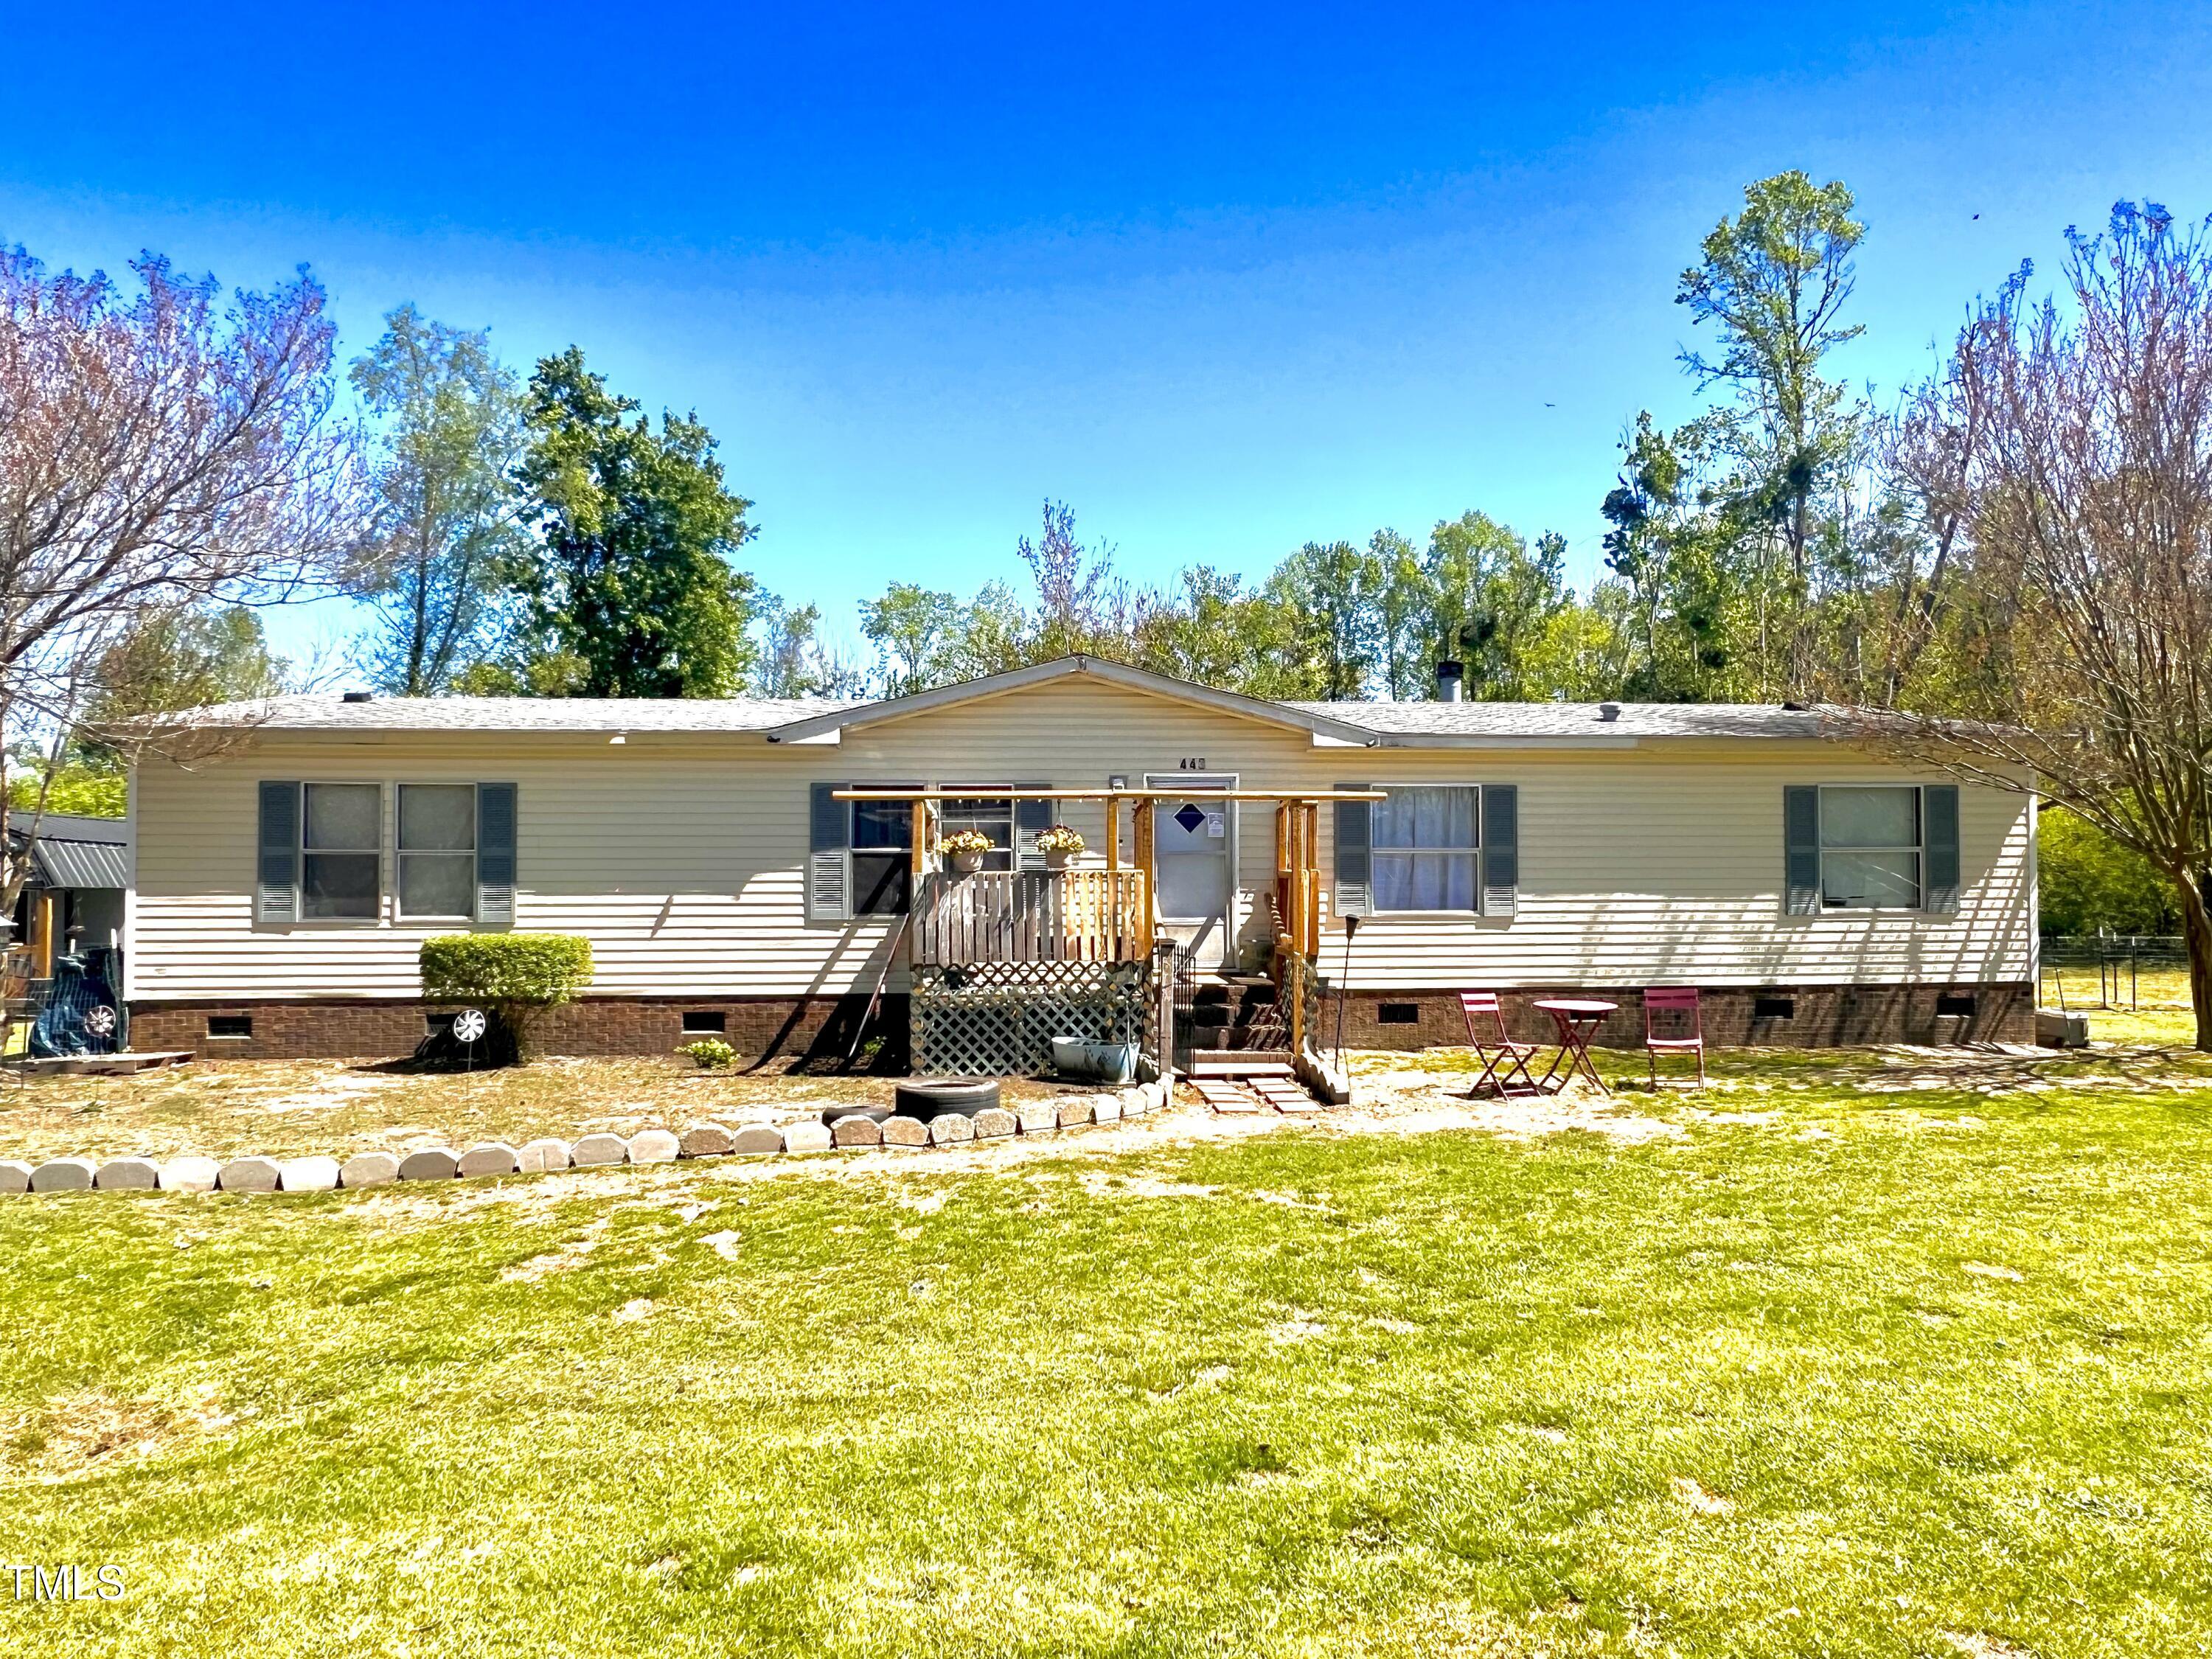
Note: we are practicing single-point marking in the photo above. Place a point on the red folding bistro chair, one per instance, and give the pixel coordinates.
(1673, 1025)
(1504, 1062)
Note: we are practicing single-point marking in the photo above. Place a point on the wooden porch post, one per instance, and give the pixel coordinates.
(1142, 904)
(1112, 832)
(42, 933)
(1310, 879)
(1294, 923)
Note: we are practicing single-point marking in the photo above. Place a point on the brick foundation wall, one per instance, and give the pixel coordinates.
(782, 1028)
(1820, 1016)
(790, 1028)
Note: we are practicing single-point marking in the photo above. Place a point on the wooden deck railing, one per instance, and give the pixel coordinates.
(1034, 915)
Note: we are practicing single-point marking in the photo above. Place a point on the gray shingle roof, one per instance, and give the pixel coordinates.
(332, 713)
(1574, 720)
(1402, 723)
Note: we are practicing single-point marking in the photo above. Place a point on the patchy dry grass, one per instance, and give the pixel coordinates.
(288, 1108)
(1824, 1368)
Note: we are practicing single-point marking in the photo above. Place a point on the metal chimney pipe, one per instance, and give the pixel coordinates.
(1451, 679)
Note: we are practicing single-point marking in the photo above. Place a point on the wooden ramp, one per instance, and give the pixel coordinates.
(1250, 1080)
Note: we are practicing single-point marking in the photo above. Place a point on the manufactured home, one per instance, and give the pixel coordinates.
(769, 870)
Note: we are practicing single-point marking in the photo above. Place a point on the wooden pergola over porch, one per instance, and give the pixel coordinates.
(1087, 913)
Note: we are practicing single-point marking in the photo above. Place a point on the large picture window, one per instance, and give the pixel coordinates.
(341, 852)
(437, 852)
(1870, 847)
(1427, 849)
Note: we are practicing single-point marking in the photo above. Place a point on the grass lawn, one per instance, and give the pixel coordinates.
(1842, 1357)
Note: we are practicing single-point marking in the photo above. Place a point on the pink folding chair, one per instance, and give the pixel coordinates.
(1673, 1025)
(1504, 1062)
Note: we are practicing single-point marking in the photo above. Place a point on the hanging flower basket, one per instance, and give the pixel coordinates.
(1061, 844)
(965, 850)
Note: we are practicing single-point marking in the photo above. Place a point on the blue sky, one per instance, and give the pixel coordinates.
(1224, 281)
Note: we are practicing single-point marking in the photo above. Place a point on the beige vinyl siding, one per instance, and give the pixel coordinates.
(680, 857)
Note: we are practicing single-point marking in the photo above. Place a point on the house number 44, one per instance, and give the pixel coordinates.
(1191, 763)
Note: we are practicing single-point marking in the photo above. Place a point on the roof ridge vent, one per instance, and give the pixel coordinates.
(1608, 711)
(358, 696)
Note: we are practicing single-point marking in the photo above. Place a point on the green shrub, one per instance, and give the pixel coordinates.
(711, 1053)
(517, 976)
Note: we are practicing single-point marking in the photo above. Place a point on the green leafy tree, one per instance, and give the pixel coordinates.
(186, 659)
(1405, 629)
(631, 578)
(1673, 554)
(1326, 593)
(795, 661)
(1492, 597)
(2088, 883)
(914, 629)
(182, 659)
(991, 635)
(1584, 651)
(452, 419)
(1772, 283)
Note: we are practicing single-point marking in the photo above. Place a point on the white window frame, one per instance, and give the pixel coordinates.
(1918, 849)
(1376, 851)
(990, 792)
(854, 854)
(400, 854)
(301, 851)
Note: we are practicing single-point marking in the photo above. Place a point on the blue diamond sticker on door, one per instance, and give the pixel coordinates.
(1190, 817)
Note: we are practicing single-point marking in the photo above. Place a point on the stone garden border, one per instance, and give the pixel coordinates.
(189, 1174)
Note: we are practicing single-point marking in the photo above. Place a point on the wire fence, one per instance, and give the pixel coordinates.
(2119, 963)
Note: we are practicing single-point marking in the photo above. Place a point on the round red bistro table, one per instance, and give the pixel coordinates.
(1577, 1020)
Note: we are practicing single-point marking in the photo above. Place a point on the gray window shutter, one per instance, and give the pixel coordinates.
(1800, 843)
(830, 828)
(1355, 855)
(495, 835)
(1032, 819)
(1939, 830)
(276, 869)
(1501, 849)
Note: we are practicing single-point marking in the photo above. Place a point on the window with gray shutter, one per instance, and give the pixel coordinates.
(341, 852)
(1355, 864)
(1940, 819)
(1800, 850)
(276, 871)
(435, 873)
(1871, 847)
(1424, 849)
(496, 834)
(829, 837)
(1501, 850)
(881, 856)
(1032, 819)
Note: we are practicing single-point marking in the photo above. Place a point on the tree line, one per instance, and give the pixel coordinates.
(542, 537)
(2005, 573)
(545, 537)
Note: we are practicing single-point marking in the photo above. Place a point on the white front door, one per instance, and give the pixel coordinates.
(1194, 863)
